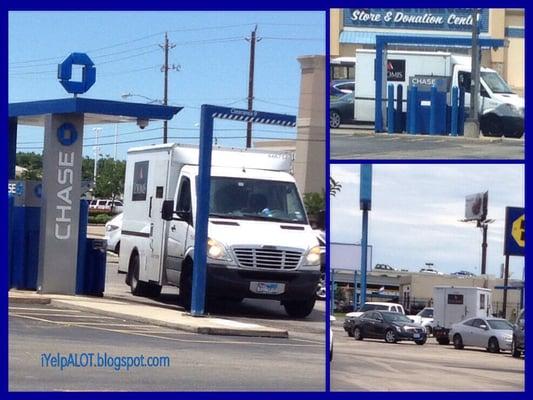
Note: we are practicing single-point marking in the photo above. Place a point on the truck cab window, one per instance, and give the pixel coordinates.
(184, 199)
(465, 81)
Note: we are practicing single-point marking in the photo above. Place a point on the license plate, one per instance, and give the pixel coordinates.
(267, 287)
(416, 335)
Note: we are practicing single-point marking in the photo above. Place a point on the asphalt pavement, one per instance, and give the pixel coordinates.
(373, 365)
(361, 143)
(196, 362)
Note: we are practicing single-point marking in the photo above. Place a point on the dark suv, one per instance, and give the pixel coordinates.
(518, 345)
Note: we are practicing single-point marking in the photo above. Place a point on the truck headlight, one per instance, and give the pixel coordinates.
(217, 251)
(312, 257)
(110, 228)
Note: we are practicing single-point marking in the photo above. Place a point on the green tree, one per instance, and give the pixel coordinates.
(33, 163)
(110, 178)
(334, 186)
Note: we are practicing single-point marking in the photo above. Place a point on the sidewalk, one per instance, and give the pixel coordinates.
(149, 314)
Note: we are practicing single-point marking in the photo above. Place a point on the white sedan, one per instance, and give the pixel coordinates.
(112, 234)
(494, 334)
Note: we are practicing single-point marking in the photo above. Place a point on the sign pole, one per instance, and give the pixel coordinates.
(505, 284)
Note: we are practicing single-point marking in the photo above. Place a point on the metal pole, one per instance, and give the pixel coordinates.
(115, 147)
(474, 78)
(364, 248)
(202, 212)
(251, 87)
(355, 290)
(484, 226)
(165, 90)
(505, 284)
(96, 154)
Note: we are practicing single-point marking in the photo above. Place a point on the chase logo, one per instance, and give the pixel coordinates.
(67, 134)
(64, 73)
(38, 190)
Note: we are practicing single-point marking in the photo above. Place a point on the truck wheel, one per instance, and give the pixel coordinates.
(321, 287)
(153, 290)
(492, 126)
(186, 288)
(421, 342)
(137, 287)
(357, 334)
(458, 342)
(299, 309)
(334, 119)
(390, 336)
(443, 340)
(494, 346)
(514, 351)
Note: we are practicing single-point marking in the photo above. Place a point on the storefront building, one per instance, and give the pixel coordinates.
(353, 28)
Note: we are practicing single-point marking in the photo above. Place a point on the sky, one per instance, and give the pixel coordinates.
(210, 50)
(416, 210)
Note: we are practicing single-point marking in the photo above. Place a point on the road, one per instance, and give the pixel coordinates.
(373, 365)
(355, 143)
(197, 362)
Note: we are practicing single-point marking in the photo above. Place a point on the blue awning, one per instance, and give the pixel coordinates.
(369, 37)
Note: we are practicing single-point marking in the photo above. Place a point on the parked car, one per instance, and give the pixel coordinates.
(463, 274)
(494, 334)
(384, 267)
(390, 326)
(113, 230)
(341, 87)
(518, 344)
(378, 306)
(341, 111)
(105, 206)
(424, 318)
(430, 271)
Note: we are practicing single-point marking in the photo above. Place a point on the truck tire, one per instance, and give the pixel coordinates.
(458, 342)
(153, 290)
(334, 119)
(137, 287)
(186, 287)
(299, 308)
(321, 287)
(421, 342)
(491, 125)
(443, 340)
(514, 351)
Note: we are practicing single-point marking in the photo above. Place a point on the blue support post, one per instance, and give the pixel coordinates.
(433, 111)
(364, 251)
(461, 122)
(202, 212)
(455, 111)
(390, 109)
(413, 109)
(399, 109)
(408, 110)
(378, 115)
(355, 290)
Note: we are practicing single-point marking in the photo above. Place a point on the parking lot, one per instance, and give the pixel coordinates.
(359, 142)
(373, 365)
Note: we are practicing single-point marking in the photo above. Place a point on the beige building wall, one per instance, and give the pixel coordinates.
(310, 156)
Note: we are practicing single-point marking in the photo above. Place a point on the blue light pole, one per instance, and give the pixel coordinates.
(365, 204)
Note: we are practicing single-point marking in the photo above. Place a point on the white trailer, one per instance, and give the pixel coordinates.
(500, 109)
(452, 304)
(260, 243)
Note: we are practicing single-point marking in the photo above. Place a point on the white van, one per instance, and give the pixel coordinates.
(260, 242)
(452, 304)
(501, 110)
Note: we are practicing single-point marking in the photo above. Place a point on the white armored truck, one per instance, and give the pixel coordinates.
(260, 244)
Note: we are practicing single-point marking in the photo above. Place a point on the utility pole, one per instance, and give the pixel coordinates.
(253, 39)
(473, 118)
(166, 46)
(96, 149)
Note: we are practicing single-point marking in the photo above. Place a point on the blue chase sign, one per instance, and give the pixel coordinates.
(428, 19)
(515, 231)
(64, 73)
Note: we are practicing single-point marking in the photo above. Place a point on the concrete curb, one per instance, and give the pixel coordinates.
(183, 326)
(179, 320)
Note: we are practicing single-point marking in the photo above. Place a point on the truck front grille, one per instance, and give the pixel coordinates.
(267, 258)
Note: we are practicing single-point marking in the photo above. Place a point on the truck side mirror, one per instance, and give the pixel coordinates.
(168, 210)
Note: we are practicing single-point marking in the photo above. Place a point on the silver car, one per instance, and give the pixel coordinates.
(113, 229)
(494, 334)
